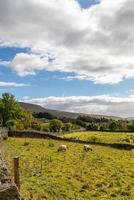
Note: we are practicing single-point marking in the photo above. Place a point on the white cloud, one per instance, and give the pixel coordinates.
(101, 104)
(96, 43)
(4, 63)
(12, 84)
(71, 77)
(26, 64)
(25, 98)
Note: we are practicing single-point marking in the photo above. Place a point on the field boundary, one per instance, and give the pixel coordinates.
(8, 189)
(43, 135)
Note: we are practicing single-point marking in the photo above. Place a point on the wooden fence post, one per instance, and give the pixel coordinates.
(16, 172)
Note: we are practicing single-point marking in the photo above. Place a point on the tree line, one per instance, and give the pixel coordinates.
(13, 116)
(104, 124)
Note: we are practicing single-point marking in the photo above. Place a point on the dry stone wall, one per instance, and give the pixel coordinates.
(54, 136)
(8, 190)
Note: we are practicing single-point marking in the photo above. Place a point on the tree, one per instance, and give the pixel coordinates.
(131, 126)
(103, 127)
(55, 125)
(113, 126)
(12, 124)
(85, 118)
(122, 124)
(28, 119)
(92, 127)
(14, 117)
(9, 109)
(45, 127)
(44, 115)
(36, 125)
(67, 126)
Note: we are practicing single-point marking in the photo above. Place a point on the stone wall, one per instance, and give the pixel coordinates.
(8, 190)
(44, 135)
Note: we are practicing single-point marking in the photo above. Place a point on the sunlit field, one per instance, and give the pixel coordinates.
(103, 137)
(104, 173)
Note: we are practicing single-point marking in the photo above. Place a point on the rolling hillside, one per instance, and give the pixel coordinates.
(60, 114)
(37, 108)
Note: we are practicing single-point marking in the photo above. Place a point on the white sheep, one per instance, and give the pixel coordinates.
(132, 150)
(87, 147)
(62, 148)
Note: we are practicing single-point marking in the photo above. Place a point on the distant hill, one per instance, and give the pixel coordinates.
(60, 114)
(37, 108)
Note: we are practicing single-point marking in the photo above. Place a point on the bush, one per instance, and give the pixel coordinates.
(36, 126)
(55, 125)
(131, 126)
(45, 127)
(112, 126)
(103, 127)
(92, 127)
(67, 126)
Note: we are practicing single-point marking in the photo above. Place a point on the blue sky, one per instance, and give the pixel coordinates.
(87, 3)
(45, 84)
(70, 57)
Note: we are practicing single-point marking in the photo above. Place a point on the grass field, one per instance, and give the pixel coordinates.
(106, 137)
(104, 173)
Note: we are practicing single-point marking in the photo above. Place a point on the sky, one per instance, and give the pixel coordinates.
(71, 55)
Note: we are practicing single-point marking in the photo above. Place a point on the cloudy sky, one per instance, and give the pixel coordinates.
(73, 55)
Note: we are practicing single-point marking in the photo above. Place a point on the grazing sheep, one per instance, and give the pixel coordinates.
(132, 150)
(87, 147)
(62, 148)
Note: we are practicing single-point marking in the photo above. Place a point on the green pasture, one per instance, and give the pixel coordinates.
(103, 137)
(103, 174)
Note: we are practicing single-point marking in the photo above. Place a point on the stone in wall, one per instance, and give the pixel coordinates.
(4, 173)
(3, 133)
(8, 190)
